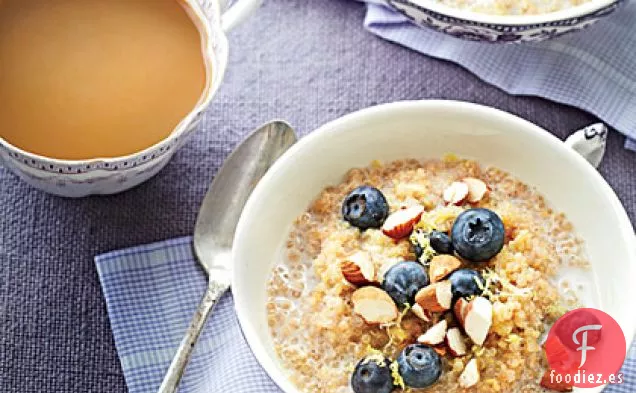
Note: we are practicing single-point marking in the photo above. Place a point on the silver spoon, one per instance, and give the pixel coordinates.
(216, 224)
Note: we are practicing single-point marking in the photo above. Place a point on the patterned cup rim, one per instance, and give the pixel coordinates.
(508, 20)
(212, 38)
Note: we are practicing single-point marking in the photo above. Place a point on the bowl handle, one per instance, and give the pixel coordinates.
(590, 143)
(237, 12)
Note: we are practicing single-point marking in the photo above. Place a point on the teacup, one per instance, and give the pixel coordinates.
(77, 178)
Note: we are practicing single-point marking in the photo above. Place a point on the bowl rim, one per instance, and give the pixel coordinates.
(341, 124)
(211, 36)
(510, 20)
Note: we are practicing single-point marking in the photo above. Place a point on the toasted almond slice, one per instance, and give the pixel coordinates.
(421, 313)
(478, 319)
(460, 310)
(435, 297)
(477, 189)
(374, 305)
(435, 335)
(400, 223)
(470, 376)
(358, 269)
(455, 342)
(548, 383)
(456, 193)
(441, 266)
(441, 350)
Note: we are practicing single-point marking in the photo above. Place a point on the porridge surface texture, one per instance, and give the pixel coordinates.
(318, 337)
(513, 7)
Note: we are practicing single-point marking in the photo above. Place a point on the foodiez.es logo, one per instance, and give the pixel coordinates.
(585, 348)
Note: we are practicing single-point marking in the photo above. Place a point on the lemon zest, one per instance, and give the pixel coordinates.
(514, 338)
(556, 309)
(375, 356)
(394, 329)
(497, 286)
(451, 157)
(421, 238)
(376, 164)
(395, 373)
(478, 350)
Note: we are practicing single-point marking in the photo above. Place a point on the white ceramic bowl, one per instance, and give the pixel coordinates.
(428, 129)
(77, 178)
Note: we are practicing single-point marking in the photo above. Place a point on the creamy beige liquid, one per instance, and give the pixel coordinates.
(96, 78)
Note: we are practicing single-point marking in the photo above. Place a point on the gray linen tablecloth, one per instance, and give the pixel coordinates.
(305, 61)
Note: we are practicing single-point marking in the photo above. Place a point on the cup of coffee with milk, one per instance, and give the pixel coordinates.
(96, 96)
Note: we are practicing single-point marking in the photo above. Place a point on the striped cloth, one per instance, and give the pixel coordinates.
(151, 293)
(592, 70)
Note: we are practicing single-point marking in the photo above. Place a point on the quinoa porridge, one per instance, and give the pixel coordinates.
(513, 7)
(357, 290)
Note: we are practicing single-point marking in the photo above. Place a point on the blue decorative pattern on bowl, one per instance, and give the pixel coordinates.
(498, 32)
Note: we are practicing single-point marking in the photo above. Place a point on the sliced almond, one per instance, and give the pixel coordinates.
(548, 382)
(358, 269)
(456, 193)
(455, 342)
(435, 297)
(477, 189)
(478, 319)
(435, 335)
(400, 224)
(460, 310)
(421, 313)
(441, 350)
(441, 266)
(374, 305)
(470, 376)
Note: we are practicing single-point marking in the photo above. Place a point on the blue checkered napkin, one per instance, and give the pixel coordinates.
(592, 70)
(151, 293)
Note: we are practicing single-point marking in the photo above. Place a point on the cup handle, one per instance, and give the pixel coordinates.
(590, 143)
(237, 13)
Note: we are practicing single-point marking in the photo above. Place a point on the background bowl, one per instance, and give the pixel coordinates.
(428, 129)
(499, 28)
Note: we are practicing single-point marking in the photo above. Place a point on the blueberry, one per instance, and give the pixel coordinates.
(403, 280)
(478, 234)
(441, 242)
(365, 207)
(418, 250)
(372, 376)
(419, 366)
(464, 283)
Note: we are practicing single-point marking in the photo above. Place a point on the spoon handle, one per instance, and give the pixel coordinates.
(175, 371)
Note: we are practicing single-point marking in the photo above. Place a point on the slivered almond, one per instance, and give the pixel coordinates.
(478, 319)
(470, 376)
(477, 189)
(435, 297)
(421, 313)
(358, 269)
(456, 193)
(400, 223)
(441, 266)
(441, 350)
(435, 335)
(548, 383)
(374, 305)
(455, 342)
(460, 310)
